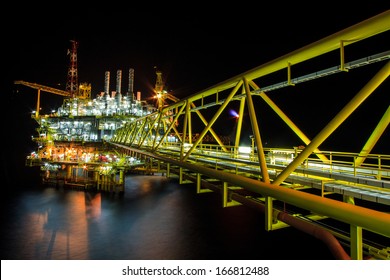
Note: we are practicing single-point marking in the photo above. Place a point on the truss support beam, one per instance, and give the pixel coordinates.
(288, 121)
(335, 122)
(212, 121)
(376, 134)
(256, 133)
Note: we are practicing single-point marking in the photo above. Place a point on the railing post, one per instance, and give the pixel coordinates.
(330, 163)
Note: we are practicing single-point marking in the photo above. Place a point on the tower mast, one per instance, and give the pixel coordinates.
(72, 82)
(159, 88)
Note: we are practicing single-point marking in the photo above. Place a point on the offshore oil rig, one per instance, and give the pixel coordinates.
(91, 144)
(72, 148)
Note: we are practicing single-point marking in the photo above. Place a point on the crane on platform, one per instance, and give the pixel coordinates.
(84, 91)
(42, 88)
(161, 93)
(73, 89)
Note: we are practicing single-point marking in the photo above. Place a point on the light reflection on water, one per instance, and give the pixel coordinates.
(156, 218)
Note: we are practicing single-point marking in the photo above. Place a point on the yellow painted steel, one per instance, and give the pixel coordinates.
(363, 30)
(356, 242)
(227, 201)
(124, 133)
(368, 28)
(376, 134)
(147, 133)
(159, 119)
(268, 213)
(193, 106)
(188, 113)
(335, 122)
(43, 88)
(289, 122)
(198, 182)
(357, 217)
(84, 88)
(239, 124)
(342, 57)
(181, 175)
(289, 82)
(213, 133)
(140, 130)
(180, 139)
(225, 194)
(185, 131)
(260, 152)
(256, 132)
(372, 220)
(168, 169)
(38, 104)
(213, 119)
(171, 125)
(130, 128)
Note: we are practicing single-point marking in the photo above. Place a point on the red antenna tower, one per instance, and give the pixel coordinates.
(72, 84)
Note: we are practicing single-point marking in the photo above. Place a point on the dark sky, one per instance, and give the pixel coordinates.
(195, 46)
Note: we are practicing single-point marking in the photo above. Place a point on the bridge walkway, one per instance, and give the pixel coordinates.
(338, 177)
(309, 179)
(213, 170)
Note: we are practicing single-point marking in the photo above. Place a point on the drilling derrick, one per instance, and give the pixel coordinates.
(159, 86)
(72, 82)
(159, 89)
(130, 91)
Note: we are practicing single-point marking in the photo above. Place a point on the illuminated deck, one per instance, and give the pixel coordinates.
(338, 177)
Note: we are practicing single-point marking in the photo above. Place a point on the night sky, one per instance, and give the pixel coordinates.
(193, 45)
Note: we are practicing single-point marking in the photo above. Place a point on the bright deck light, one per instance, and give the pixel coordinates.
(244, 150)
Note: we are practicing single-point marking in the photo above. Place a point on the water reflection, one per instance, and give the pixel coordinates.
(156, 218)
(55, 225)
